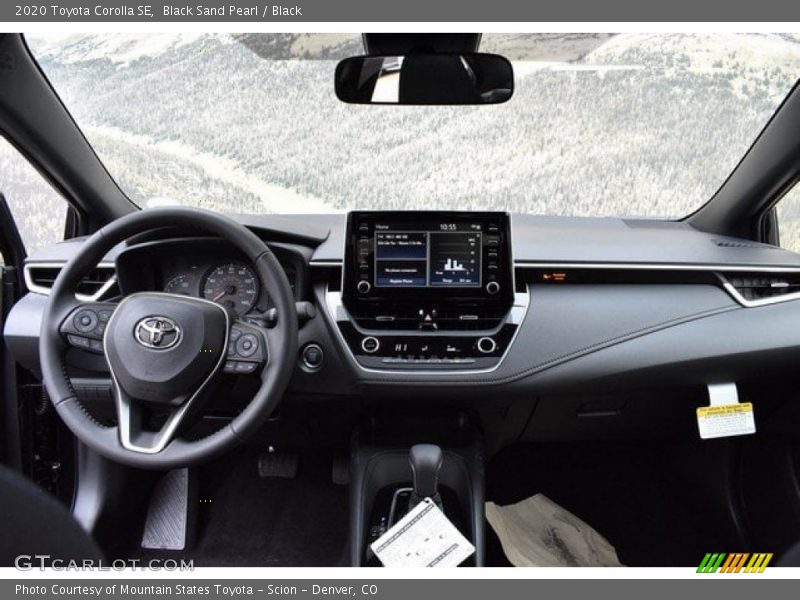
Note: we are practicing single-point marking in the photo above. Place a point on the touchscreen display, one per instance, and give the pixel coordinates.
(439, 255)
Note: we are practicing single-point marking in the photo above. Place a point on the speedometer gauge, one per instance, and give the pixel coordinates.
(180, 284)
(233, 285)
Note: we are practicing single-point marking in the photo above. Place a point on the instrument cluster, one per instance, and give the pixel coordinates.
(207, 268)
(233, 284)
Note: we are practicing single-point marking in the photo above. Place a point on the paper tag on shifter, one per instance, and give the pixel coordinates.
(425, 537)
(726, 416)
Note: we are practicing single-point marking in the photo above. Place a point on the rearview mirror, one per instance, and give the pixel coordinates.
(425, 79)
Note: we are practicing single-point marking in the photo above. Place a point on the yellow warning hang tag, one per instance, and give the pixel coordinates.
(726, 416)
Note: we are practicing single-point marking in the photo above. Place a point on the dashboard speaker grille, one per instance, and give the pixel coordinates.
(739, 244)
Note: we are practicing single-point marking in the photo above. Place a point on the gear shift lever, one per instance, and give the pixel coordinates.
(426, 460)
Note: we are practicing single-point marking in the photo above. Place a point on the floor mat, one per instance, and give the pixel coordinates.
(248, 520)
(537, 532)
(629, 493)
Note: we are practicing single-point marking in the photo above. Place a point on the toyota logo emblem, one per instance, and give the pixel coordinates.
(159, 333)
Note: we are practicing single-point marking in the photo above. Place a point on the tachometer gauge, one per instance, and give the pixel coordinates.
(233, 285)
(180, 284)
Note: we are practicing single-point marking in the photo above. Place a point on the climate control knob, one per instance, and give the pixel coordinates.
(370, 344)
(363, 286)
(486, 345)
(492, 287)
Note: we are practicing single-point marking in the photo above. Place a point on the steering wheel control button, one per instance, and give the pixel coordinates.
(239, 367)
(235, 334)
(104, 315)
(370, 345)
(244, 368)
(85, 321)
(486, 345)
(78, 341)
(313, 356)
(363, 286)
(492, 287)
(246, 345)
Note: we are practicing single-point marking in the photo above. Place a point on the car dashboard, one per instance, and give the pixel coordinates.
(571, 316)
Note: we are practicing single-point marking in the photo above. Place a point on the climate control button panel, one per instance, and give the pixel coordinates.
(420, 351)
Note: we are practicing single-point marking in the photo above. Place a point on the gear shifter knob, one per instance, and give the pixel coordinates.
(426, 460)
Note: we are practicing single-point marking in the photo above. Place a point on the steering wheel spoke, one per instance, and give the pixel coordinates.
(133, 433)
(85, 325)
(248, 349)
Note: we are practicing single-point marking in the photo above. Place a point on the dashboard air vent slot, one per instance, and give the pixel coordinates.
(466, 319)
(95, 280)
(44, 277)
(763, 287)
(95, 285)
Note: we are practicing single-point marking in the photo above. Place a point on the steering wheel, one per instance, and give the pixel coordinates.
(163, 350)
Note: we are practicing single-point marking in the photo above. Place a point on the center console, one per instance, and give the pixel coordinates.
(427, 290)
(396, 460)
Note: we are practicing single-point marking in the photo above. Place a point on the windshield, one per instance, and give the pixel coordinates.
(625, 125)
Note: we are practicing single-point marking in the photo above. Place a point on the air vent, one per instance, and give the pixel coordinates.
(97, 284)
(738, 244)
(96, 281)
(466, 319)
(762, 288)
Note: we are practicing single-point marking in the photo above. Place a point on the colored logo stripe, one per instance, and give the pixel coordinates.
(758, 563)
(711, 563)
(734, 563)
